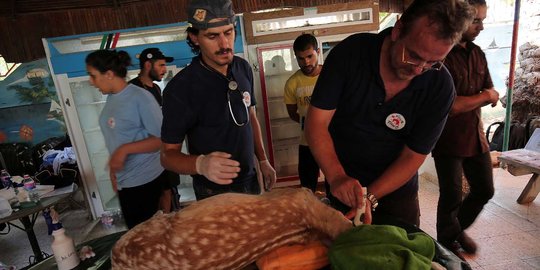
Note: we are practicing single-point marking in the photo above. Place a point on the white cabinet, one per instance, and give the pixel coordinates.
(277, 64)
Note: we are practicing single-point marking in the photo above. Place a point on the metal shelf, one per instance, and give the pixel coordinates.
(92, 103)
(278, 122)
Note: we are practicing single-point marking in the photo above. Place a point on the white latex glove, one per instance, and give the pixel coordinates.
(218, 167)
(268, 173)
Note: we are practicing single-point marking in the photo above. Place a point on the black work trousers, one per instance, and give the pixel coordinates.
(141, 202)
(455, 213)
(308, 169)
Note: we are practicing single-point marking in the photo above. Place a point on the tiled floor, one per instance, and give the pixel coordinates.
(508, 234)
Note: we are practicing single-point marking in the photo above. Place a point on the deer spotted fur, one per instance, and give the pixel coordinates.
(228, 231)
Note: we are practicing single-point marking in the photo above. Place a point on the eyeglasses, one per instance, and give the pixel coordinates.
(437, 65)
(236, 97)
(478, 21)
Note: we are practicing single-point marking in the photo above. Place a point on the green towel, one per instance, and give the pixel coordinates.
(381, 247)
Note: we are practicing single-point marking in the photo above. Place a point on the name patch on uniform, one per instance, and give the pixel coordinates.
(395, 121)
(247, 98)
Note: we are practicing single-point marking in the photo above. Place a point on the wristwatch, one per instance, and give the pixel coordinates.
(373, 200)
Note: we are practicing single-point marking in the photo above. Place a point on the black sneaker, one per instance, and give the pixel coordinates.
(455, 248)
(467, 243)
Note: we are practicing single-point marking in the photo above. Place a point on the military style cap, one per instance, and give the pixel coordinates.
(201, 12)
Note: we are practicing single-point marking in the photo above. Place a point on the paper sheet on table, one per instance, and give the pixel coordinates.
(59, 191)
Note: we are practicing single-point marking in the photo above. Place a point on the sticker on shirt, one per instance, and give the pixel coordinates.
(395, 121)
(247, 98)
(111, 122)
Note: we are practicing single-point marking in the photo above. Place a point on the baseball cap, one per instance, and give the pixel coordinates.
(201, 12)
(153, 54)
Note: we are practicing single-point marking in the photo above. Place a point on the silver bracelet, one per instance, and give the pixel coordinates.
(373, 200)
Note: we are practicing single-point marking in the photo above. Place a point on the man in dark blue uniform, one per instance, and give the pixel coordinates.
(379, 106)
(211, 103)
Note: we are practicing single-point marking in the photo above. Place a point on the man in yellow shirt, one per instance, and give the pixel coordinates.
(297, 96)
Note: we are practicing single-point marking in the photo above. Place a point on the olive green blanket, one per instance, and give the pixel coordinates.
(381, 247)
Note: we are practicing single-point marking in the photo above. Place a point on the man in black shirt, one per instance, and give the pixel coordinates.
(379, 106)
(153, 68)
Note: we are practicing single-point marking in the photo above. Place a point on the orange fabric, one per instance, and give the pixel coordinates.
(310, 256)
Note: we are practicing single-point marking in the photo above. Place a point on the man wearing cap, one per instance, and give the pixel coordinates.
(211, 103)
(153, 68)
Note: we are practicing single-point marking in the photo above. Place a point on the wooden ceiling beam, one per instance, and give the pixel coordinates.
(25, 22)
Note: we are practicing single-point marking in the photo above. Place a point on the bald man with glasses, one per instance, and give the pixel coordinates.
(379, 106)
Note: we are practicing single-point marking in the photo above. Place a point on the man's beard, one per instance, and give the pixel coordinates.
(154, 76)
(221, 52)
(469, 38)
(308, 70)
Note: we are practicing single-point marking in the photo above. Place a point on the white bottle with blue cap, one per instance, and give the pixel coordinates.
(63, 248)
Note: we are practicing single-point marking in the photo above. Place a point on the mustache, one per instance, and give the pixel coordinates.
(223, 51)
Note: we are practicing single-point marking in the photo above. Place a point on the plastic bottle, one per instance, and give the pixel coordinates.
(30, 186)
(63, 248)
(28, 182)
(107, 219)
(6, 179)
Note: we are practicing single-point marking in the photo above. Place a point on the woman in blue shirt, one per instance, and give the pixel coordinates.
(131, 125)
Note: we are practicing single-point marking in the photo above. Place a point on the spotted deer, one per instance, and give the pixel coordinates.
(228, 231)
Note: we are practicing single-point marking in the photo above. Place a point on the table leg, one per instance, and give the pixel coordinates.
(530, 191)
(29, 229)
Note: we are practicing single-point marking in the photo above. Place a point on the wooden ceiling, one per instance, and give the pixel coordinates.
(24, 22)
